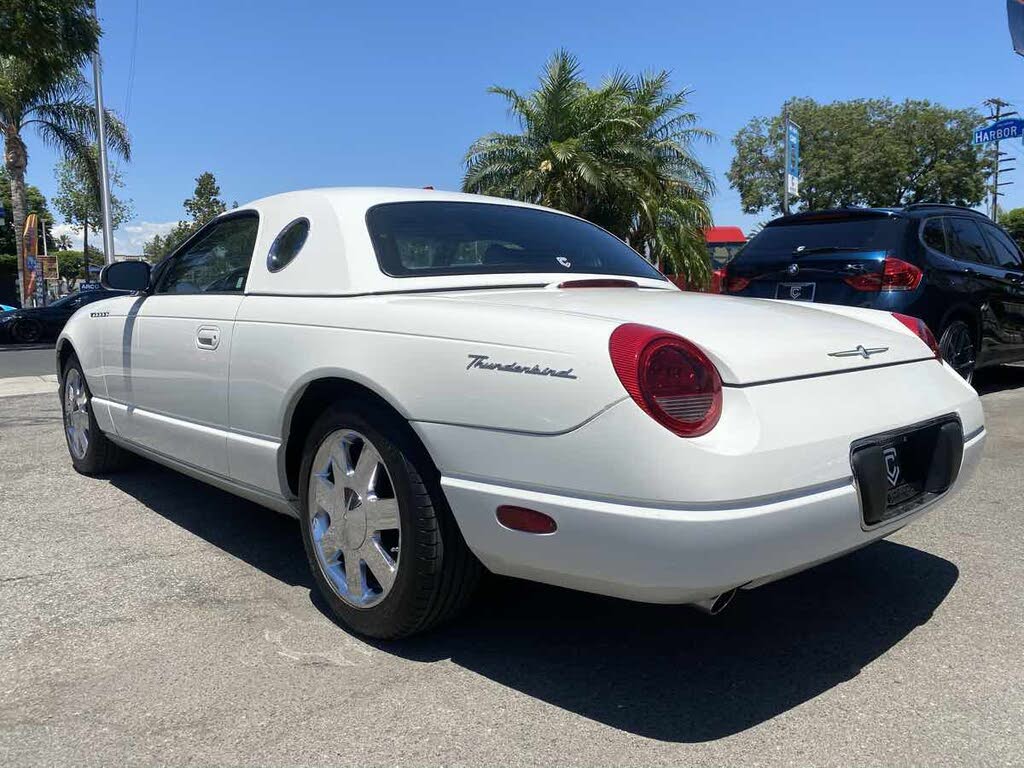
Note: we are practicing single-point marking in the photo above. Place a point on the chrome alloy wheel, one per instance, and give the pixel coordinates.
(353, 519)
(76, 413)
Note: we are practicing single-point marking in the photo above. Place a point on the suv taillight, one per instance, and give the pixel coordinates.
(734, 283)
(920, 329)
(669, 377)
(896, 275)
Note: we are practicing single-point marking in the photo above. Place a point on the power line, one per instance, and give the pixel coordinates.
(131, 63)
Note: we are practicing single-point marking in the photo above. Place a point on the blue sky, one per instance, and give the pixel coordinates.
(273, 96)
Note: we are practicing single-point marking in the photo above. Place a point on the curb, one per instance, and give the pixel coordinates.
(28, 385)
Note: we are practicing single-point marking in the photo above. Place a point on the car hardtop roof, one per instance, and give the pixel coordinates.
(367, 197)
(914, 210)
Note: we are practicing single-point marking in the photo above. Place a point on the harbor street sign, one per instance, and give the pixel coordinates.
(1010, 128)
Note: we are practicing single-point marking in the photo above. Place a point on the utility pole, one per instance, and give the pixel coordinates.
(997, 106)
(101, 135)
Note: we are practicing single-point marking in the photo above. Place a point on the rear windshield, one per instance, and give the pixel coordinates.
(420, 239)
(880, 233)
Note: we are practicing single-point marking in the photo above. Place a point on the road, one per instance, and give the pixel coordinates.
(150, 619)
(27, 360)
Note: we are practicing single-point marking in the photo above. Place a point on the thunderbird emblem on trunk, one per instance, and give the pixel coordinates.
(860, 351)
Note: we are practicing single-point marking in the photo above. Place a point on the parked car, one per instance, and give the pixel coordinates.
(34, 324)
(433, 383)
(950, 266)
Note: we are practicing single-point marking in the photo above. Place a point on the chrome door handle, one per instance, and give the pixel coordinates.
(208, 337)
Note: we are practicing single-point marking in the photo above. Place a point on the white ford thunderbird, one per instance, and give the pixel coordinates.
(434, 383)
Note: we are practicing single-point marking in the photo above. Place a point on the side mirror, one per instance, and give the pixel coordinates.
(126, 276)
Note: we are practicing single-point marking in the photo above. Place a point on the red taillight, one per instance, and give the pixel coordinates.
(734, 283)
(668, 377)
(525, 520)
(896, 275)
(921, 330)
(718, 280)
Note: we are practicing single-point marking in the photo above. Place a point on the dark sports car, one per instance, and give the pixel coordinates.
(44, 323)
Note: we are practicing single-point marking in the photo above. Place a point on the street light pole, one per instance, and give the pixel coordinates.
(101, 135)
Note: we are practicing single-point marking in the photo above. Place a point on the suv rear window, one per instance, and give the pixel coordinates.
(421, 239)
(862, 233)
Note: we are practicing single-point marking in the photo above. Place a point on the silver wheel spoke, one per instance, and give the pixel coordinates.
(354, 576)
(364, 476)
(331, 542)
(326, 496)
(380, 564)
(382, 514)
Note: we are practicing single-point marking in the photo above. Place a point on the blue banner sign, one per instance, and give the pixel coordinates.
(792, 158)
(1010, 128)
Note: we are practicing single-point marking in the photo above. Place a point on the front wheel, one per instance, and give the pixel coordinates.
(957, 346)
(382, 544)
(27, 331)
(92, 452)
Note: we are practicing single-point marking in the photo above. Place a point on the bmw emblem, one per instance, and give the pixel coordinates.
(793, 269)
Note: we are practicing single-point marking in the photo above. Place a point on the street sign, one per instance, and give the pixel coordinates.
(792, 158)
(1010, 128)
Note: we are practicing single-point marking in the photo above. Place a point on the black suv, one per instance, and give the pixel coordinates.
(950, 266)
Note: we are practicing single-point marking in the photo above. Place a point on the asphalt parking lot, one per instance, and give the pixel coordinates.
(147, 618)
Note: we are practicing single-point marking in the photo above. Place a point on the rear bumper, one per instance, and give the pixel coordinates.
(673, 555)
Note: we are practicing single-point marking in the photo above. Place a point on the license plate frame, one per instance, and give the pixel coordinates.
(795, 291)
(898, 472)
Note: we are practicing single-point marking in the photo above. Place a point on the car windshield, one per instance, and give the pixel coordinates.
(420, 239)
(874, 233)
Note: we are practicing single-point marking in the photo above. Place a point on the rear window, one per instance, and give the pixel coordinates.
(876, 233)
(420, 239)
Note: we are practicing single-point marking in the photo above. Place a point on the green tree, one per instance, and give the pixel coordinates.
(619, 155)
(79, 199)
(204, 205)
(60, 112)
(51, 37)
(864, 152)
(1013, 222)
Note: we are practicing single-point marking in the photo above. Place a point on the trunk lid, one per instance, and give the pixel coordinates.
(749, 340)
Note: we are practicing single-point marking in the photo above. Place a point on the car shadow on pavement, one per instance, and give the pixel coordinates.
(262, 538)
(999, 378)
(662, 672)
(674, 674)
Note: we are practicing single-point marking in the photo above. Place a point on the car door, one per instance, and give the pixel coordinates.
(969, 248)
(175, 344)
(1009, 263)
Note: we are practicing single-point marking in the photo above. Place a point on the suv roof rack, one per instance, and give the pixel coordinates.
(918, 206)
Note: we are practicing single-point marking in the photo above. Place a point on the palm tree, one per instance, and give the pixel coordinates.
(619, 155)
(61, 113)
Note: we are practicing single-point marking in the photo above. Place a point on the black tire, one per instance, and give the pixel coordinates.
(101, 456)
(959, 348)
(27, 331)
(436, 573)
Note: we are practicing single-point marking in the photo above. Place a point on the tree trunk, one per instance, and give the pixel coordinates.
(85, 250)
(16, 160)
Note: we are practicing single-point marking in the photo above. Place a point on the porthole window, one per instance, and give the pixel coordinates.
(287, 245)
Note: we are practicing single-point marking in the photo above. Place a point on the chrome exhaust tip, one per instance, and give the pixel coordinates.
(716, 604)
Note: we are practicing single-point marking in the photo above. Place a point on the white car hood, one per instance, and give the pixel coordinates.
(750, 340)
